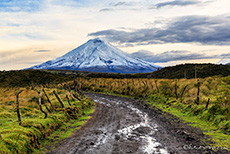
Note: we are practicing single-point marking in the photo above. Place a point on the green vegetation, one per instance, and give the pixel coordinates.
(172, 72)
(35, 128)
(210, 111)
(28, 78)
(25, 78)
(216, 125)
(188, 71)
(63, 132)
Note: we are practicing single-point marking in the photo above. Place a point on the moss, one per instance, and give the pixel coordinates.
(63, 132)
(197, 110)
(6, 114)
(225, 126)
(212, 121)
(3, 147)
(215, 109)
(34, 129)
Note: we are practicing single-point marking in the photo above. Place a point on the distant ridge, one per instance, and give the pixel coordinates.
(171, 72)
(97, 55)
(188, 71)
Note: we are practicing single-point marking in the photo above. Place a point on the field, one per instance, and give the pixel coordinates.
(39, 117)
(204, 103)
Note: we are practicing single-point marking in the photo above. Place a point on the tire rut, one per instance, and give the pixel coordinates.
(124, 126)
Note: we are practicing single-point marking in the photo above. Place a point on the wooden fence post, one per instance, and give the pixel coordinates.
(46, 106)
(157, 86)
(48, 98)
(71, 95)
(18, 112)
(79, 91)
(75, 86)
(176, 90)
(198, 92)
(67, 97)
(133, 82)
(69, 89)
(76, 97)
(206, 107)
(40, 103)
(181, 97)
(62, 105)
(143, 83)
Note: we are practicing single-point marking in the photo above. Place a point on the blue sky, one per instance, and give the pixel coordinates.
(19, 5)
(179, 31)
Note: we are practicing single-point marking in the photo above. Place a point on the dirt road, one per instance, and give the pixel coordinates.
(125, 126)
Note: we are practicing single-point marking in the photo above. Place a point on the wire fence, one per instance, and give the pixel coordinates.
(15, 120)
(219, 94)
(13, 100)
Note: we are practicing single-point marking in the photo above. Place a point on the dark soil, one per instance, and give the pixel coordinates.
(126, 126)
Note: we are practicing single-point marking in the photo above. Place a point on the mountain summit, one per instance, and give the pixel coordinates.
(97, 55)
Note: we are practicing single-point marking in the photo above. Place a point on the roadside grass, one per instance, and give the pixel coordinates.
(178, 97)
(63, 132)
(219, 138)
(34, 128)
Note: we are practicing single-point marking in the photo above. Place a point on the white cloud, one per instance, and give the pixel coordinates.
(60, 26)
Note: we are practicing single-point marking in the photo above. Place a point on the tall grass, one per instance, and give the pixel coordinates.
(34, 128)
(179, 93)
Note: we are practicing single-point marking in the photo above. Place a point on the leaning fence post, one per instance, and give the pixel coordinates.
(69, 89)
(48, 99)
(76, 97)
(62, 105)
(182, 93)
(206, 107)
(71, 95)
(67, 97)
(198, 92)
(75, 86)
(157, 86)
(40, 103)
(176, 94)
(46, 106)
(18, 112)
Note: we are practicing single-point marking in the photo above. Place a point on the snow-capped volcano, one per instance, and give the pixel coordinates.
(97, 55)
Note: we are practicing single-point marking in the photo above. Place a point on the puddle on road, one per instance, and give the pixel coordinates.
(151, 145)
(101, 139)
(137, 131)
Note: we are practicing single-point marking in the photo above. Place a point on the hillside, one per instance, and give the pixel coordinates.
(188, 71)
(30, 78)
(172, 72)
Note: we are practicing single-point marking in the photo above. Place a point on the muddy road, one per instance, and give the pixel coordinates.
(125, 126)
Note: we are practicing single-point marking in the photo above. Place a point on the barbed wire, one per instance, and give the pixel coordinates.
(12, 100)
(14, 120)
(223, 57)
(15, 97)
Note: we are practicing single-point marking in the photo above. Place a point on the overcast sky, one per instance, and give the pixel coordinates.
(175, 31)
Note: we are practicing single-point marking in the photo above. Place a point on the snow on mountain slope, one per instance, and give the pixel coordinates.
(97, 55)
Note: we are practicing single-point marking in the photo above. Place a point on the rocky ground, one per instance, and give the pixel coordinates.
(126, 126)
